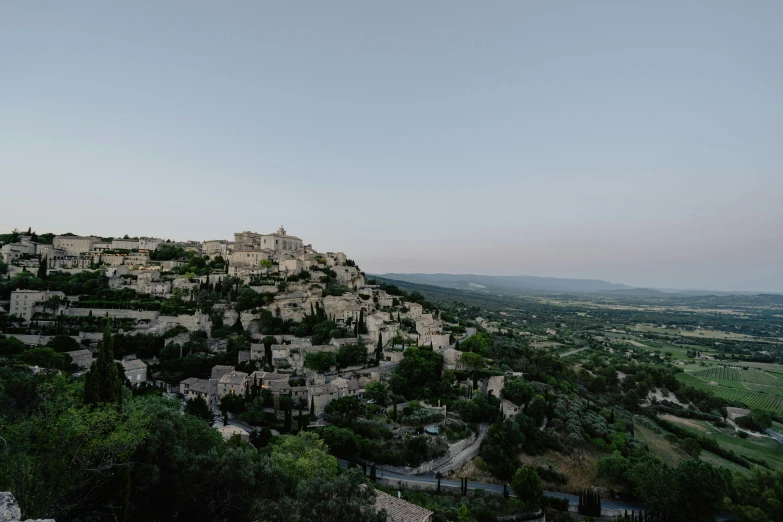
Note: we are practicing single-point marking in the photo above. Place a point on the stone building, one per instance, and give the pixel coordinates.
(125, 244)
(81, 358)
(135, 369)
(234, 383)
(277, 241)
(75, 245)
(25, 303)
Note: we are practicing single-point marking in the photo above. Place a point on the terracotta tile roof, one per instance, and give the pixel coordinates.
(398, 510)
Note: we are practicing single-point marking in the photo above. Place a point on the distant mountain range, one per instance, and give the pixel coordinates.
(534, 284)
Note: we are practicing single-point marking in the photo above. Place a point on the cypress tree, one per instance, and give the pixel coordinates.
(312, 407)
(379, 350)
(102, 383)
(42, 268)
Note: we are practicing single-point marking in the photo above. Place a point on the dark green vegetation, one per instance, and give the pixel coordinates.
(88, 450)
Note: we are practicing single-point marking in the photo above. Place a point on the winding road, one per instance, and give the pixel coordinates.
(429, 478)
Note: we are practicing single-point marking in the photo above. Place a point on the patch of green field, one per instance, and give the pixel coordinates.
(717, 460)
(659, 446)
(730, 384)
(760, 448)
(764, 448)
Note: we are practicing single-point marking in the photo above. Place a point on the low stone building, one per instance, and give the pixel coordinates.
(81, 358)
(205, 388)
(398, 510)
(234, 383)
(135, 369)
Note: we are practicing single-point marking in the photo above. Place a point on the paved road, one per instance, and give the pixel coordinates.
(429, 478)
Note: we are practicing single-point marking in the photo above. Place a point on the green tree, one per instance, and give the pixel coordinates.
(268, 341)
(527, 487)
(477, 343)
(345, 497)
(419, 371)
(45, 358)
(198, 406)
(42, 265)
(63, 343)
(614, 467)
(351, 354)
(304, 456)
(518, 391)
(60, 460)
(691, 446)
(103, 384)
(377, 391)
(472, 361)
(758, 495)
(320, 361)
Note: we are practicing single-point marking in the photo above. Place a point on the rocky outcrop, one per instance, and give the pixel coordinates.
(9, 509)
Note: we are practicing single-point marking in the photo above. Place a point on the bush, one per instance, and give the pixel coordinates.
(557, 504)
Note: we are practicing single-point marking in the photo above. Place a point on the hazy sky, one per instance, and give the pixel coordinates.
(641, 144)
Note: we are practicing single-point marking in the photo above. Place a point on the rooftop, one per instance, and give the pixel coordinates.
(398, 510)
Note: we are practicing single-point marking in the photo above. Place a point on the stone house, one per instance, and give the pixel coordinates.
(205, 388)
(234, 383)
(81, 358)
(135, 369)
(414, 310)
(321, 395)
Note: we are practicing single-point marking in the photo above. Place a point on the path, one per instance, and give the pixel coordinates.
(572, 352)
(775, 435)
(466, 454)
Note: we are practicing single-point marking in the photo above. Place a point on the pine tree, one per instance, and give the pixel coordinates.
(102, 383)
(42, 268)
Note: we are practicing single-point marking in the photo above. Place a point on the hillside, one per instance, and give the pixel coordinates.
(509, 283)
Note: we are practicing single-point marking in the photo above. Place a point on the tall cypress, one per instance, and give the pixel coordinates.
(42, 268)
(102, 383)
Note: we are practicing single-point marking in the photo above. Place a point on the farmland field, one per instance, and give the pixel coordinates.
(736, 374)
(751, 399)
(763, 388)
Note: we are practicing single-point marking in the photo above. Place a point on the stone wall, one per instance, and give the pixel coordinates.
(120, 314)
(454, 450)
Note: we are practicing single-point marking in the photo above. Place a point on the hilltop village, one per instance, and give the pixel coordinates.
(223, 380)
(313, 328)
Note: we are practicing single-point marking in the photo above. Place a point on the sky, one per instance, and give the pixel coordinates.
(640, 143)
